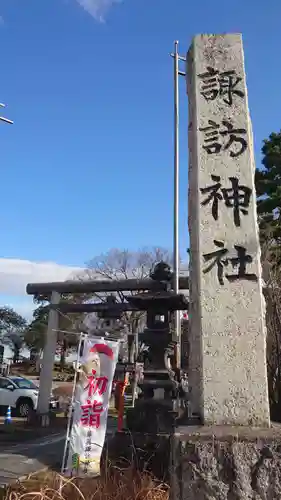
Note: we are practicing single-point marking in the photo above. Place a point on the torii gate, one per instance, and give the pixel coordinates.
(55, 289)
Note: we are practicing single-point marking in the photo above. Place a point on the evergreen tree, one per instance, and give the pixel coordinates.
(268, 187)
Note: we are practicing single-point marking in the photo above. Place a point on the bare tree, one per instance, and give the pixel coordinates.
(124, 264)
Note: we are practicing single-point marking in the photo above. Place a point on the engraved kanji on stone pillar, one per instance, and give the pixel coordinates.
(228, 376)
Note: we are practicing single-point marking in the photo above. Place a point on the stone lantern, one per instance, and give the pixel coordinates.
(156, 409)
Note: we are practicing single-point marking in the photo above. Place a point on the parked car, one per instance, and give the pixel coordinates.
(21, 394)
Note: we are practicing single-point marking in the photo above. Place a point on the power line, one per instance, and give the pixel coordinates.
(2, 118)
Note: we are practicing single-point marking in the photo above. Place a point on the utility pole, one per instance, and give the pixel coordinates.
(2, 118)
(176, 260)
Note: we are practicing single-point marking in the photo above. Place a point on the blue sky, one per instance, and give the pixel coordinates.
(88, 163)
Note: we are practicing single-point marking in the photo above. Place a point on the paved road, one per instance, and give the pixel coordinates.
(20, 460)
(24, 459)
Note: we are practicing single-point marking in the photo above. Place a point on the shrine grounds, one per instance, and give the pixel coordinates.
(120, 482)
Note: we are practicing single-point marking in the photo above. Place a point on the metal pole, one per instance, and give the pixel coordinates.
(71, 406)
(176, 198)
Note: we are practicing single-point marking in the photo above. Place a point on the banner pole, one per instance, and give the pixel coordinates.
(82, 336)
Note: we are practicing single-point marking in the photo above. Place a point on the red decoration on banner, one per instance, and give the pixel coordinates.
(103, 349)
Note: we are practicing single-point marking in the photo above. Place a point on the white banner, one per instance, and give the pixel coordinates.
(93, 391)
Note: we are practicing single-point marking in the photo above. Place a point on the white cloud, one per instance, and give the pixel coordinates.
(97, 8)
(16, 273)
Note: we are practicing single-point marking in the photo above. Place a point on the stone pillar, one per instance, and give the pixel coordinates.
(46, 375)
(228, 376)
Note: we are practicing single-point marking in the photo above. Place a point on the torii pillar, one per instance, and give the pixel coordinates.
(46, 374)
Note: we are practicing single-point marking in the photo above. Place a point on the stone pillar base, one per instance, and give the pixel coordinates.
(226, 463)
